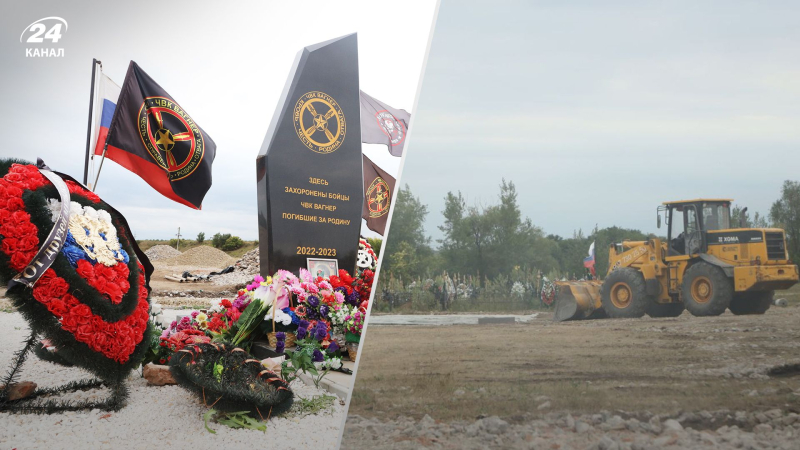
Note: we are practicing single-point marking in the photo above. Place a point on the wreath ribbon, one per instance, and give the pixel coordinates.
(51, 246)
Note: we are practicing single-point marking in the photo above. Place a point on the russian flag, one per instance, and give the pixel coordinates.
(107, 96)
(588, 262)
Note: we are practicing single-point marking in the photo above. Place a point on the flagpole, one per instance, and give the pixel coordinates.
(94, 185)
(89, 126)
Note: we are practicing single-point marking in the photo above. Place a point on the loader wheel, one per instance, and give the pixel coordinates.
(751, 302)
(623, 294)
(706, 291)
(665, 309)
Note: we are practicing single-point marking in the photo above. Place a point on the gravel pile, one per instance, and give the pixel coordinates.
(250, 262)
(159, 252)
(201, 256)
(773, 429)
(155, 417)
(245, 269)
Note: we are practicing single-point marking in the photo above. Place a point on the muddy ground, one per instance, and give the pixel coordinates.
(706, 373)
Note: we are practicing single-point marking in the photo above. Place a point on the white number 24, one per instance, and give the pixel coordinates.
(54, 33)
(39, 30)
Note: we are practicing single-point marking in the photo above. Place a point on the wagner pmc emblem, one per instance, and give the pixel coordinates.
(319, 122)
(171, 137)
(391, 126)
(378, 198)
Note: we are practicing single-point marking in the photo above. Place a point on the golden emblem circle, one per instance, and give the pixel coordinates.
(172, 139)
(319, 122)
(378, 198)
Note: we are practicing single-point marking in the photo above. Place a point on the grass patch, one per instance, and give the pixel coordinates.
(314, 405)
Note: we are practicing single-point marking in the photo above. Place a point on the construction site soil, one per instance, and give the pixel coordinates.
(733, 380)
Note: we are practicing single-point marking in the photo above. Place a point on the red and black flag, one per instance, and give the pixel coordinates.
(382, 124)
(378, 191)
(153, 137)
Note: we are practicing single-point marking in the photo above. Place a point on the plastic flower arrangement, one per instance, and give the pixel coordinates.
(317, 299)
(311, 307)
(354, 323)
(314, 354)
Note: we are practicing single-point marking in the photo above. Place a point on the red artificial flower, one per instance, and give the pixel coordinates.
(226, 303)
(110, 282)
(346, 278)
(336, 282)
(234, 314)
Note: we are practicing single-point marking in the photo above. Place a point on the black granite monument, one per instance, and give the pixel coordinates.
(310, 190)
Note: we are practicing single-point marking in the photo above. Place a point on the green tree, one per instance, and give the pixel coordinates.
(760, 221)
(232, 243)
(403, 261)
(491, 240)
(785, 213)
(407, 245)
(757, 220)
(219, 239)
(376, 245)
(201, 236)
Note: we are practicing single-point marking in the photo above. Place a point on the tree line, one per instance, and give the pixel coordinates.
(493, 240)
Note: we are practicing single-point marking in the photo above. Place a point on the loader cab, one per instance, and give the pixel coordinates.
(688, 222)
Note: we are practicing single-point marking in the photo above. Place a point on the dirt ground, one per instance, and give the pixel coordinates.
(159, 283)
(630, 384)
(663, 366)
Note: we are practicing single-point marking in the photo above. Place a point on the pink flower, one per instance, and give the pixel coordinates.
(305, 275)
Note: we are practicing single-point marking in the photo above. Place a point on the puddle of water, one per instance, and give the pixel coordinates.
(436, 320)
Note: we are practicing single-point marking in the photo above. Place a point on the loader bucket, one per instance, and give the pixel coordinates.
(577, 300)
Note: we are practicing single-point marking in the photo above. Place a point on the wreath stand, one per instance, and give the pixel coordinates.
(33, 404)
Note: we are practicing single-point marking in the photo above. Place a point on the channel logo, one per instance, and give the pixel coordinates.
(44, 34)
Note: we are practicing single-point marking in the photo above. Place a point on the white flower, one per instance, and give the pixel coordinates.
(104, 215)
(216, 306)
(75, 209)
(155, 309)
(280, 317)
(90, 212)
(335, 363)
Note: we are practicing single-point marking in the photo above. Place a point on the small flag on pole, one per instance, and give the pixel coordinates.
(154, 137)
(588, 262)
(382, 124)
(107, 96)
(378, 190)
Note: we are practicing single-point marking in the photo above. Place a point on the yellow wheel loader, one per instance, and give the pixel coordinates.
(704, 266)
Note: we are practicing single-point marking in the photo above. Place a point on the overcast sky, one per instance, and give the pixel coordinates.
(226, 63)
(600, 111)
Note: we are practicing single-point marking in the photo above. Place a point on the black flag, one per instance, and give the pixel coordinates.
(382, 124)
(153, 137)
(378, 191)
